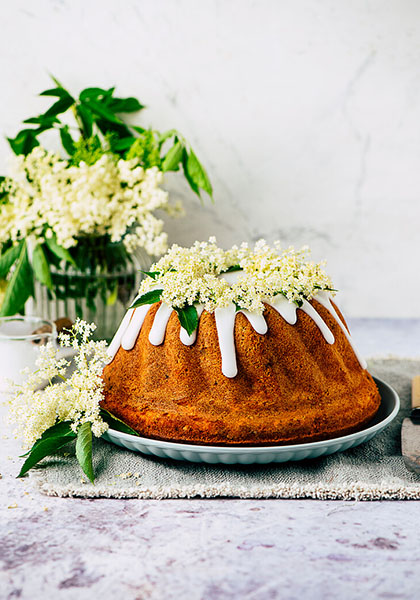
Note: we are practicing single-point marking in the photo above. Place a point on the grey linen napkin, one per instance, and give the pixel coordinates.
(373, 471)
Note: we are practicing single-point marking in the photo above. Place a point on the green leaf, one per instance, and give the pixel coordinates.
(188, 177)
(233, 268)
(84, 449)
(197, 174)
(58, 92)
(41, 267)
(116, 423)
(173, 158)
(8, 258)
(147, 298)
(86, 118)
(60, 429)
(138, 129)
(91, 92)
(102, 111)
(46, 122)
(59, 107)
(106, 127)
(123, 143)
(188, 318)
(4, 193)
(125, 105)
(168, 134)
(59, 251)
(67, 140)
(152, 274)
(24, 142)
(51, 440)
(20, 286)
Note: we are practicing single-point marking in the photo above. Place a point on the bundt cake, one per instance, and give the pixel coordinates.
(237, 347)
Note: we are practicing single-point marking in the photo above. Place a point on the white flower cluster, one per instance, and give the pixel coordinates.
(113, 196)
(76, 398)
(189, 275)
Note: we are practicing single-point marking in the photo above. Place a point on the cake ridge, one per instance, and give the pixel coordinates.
(132, 323)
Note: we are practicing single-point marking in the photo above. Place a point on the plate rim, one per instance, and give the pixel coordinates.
(197, 448)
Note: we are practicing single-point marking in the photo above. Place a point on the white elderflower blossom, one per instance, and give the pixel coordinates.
(199, 275)
(48, 195)
(75, 398)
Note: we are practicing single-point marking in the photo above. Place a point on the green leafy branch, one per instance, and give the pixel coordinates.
(100, 126)
(61, 434)
(15, 259)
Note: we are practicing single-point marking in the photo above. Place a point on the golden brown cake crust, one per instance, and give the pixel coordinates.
(292, 386)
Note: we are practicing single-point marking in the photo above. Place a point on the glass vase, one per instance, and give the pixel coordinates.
(99, 289)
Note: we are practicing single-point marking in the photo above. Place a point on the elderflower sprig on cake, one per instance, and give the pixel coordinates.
(185, 277)
(68, 409)
(107, 186)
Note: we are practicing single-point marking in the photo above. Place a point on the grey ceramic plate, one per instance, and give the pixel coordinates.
(388, 410)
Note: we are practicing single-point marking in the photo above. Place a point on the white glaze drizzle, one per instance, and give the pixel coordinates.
(257, 322)
(160, 322)
(116, 340)
(131, 333)
(225, 317)
(225, 324)
(318, 320)
(324, 299)
(286, 309)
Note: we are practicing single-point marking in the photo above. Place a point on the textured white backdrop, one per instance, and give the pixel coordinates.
(306, 114)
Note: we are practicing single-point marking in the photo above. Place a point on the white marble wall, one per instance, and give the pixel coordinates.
(307, 115)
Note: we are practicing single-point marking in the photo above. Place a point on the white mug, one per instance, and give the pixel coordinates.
(20, 340)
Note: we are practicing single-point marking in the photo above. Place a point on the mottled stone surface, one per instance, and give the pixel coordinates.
(207, 549)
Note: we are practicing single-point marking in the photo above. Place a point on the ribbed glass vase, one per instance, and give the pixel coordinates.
(99, 290)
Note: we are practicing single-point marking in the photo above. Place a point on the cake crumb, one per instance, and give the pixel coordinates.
(14, 505)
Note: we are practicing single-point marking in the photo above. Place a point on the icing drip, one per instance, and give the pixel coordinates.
(288, 310)
(225, 317)
(116, 340)
(257, 322)
(186, 339)
(285, 309)
(324, 299)
(160, 322)
(322, 326)
(225, 324)
(131, 334)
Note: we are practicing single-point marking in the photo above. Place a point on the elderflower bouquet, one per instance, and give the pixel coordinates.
(68, 409)
(187, 277)
(89, 211)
